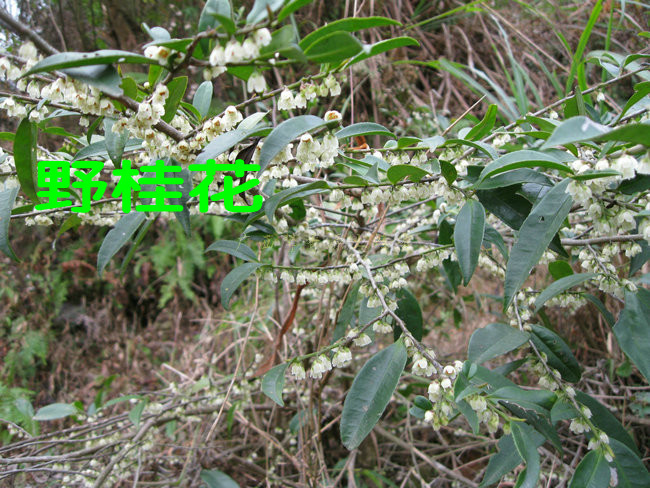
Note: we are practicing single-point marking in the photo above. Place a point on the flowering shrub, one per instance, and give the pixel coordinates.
(358, 232)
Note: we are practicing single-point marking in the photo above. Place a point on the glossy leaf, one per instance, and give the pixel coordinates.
(273, 383)
(234, 248)
(468, 237)
(575, 129)
(222, 143)
(484, 126)
(117, 237)
(535, 235)
(75, 59)
(350, 24)
(259, 12)
(217, 479)
(408, 309)
(114, 143)
(56, 411)
(632, 330)
(494, 340)
(203, 98)
(528, 452)
(104, 77)
(234, 279)
(25, 157)
(560, 286)
(347, 312)
(559, 355)
(363, 129)
(630, 470)
(291, 7)
(284, 133)
(592, 472)
(524, 158)
(284, 197)
(398, 172)
(176, 91)
(7, 200)
(333, 48)
(370, 50)
(370, 393)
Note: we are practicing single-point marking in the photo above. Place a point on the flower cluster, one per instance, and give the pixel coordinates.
(308, 92)
(235, 52)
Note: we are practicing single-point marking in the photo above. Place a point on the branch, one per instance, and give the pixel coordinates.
(24, 30)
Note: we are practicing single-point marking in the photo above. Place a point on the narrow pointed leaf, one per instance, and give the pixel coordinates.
(7, 200)
(592, 472)
(409, 311)
(203, 98)
(468, 237)
(25, 157)
(234, 248)
(284, 133)
(493, 340)
(633, 329)
(273, 383)
(117, 237)
(558, 354)
(370, 393)
(535, 235)
(234, 279)
(560, 286)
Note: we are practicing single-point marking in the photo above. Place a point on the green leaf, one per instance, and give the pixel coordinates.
(409, 311)
(641, 90)
(98, 149)
(117, 237)
(56, 411)
(609, 318)
(632, 330)
(130, 87)
(115, 143)
(560, 269)
(448, 171)
(284, 133)
(524, 158)
(234, 248)
(370, 50)
(7, 200)
(363, 129)
(398, 172)
(560, 286)
(538, 400)
(136, 413)
(104, 77)
(259, 11)
(528, 451)
(484, 126)
(176, 91)
(214, 13)
(629, 468)
(333, 48)
(575, 129)
(514, 177)
(536, 233)
(223, 143)
(492, 341)
(273, 383)
(217, 479)
(350, 24)
(75, 59)
(592, 472)
(606, 421)
(577, 61)
(370, 393)
(558, 354)
(347, 312)
(203, 98)
(25, 157)
(502, 462)
(536, 418)
(468, 237)
(235, 278)
(289, 195)
(291, 7)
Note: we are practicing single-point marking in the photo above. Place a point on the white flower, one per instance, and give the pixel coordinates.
(320, 365)
(262, 37)
(477, 403)
(381, 327)
(333, 85)
(446, 383)
(298, 370)
(300, 101)
(577, 426)
(28, 51)
(435, 392)
(613, 476)
(234, 53)
(450, 371)
(256, 83)
(342, 356)
(332, 115)
(250, 49)
(231, 117)
(626, 165)
(218, 56)
(429, 416)
(362, 340)
(159, 53)
(285, 102)
(644, 165)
